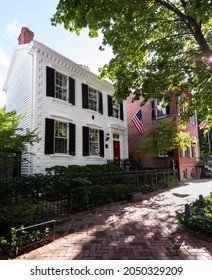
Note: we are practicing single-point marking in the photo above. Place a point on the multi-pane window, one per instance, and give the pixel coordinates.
(115, 110)
(181, 108)
(93, 142)
(92, 99)
(116, 136)
(61, 86)
(61, 137)
(193, 119)
(159, 110)
(188, 152)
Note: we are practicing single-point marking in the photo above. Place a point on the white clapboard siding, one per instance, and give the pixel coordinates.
(27, 84)
(18, 95)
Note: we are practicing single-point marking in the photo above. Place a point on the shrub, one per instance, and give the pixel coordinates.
(200, 217)
(147, 188)
(169, 181)
(83, 169)
(120, 191)
(17, 214)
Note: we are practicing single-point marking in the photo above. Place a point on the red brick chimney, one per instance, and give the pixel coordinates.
(26, 36)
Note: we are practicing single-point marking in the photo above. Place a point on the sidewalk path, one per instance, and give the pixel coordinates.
(129, 231)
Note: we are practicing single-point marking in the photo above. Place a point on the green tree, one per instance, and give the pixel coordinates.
(165, 136)
(160, 46)
(13, 138)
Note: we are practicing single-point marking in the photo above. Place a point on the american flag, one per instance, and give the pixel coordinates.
(138, 122)
(202, 124)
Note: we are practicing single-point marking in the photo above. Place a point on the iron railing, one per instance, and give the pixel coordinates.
(31, 237)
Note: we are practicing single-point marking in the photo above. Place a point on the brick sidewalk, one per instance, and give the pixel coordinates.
(130, 231)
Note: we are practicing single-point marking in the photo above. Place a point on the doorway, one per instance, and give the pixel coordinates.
(116, 151)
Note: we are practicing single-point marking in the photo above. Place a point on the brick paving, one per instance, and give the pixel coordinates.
(131, 231)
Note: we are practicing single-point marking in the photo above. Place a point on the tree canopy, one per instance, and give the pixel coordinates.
(160, 47)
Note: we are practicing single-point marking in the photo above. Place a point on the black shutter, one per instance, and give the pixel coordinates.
(100, 103)
(101, 143)
(153, 109)
(121, 111)
(84, 96)
(72, 140)
(168, 109)
(71, 90)
(110, 106)
(85, 137)
(50, 82)
(49, 137)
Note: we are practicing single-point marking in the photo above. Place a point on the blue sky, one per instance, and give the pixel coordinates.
(36, 16)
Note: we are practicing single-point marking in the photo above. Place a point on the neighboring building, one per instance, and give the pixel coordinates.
(152, 111)
(72, 108)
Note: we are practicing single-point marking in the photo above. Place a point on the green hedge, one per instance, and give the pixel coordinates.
(88, 169)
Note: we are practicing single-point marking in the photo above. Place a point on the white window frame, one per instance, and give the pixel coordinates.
(94, 144)
(115, 136)
(92, 99)
(61, 86)
(160, 111)
(61, 135)
(116, 111)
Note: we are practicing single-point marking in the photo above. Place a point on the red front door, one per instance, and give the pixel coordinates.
(116, 151)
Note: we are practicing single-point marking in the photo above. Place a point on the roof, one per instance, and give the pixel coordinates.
(74, 68)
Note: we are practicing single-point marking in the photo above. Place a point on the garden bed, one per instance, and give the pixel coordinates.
(25, 239)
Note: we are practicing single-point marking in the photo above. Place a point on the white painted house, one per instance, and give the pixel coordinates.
(73, 109)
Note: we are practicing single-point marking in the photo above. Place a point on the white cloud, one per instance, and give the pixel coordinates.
(12, 30)
(4, 58)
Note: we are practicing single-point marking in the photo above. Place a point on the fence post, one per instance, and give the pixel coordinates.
(187, 211)
(136, 179)
(17, 242)
(164, 178)
(110, 184)
(201, 200)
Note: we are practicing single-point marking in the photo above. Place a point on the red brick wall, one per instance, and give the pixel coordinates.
(186, 165)
(134, 137)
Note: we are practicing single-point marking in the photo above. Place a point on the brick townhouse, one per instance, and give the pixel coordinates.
(184, 161)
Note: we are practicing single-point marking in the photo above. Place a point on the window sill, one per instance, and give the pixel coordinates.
(92, 112)
(59, 101)
(60, 155)
(115, 119)
(93, 157)
(162, 117)
(162, 156)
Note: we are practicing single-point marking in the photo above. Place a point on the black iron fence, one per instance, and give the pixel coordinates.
(10, 166)
(57, 195)
(31, 237)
